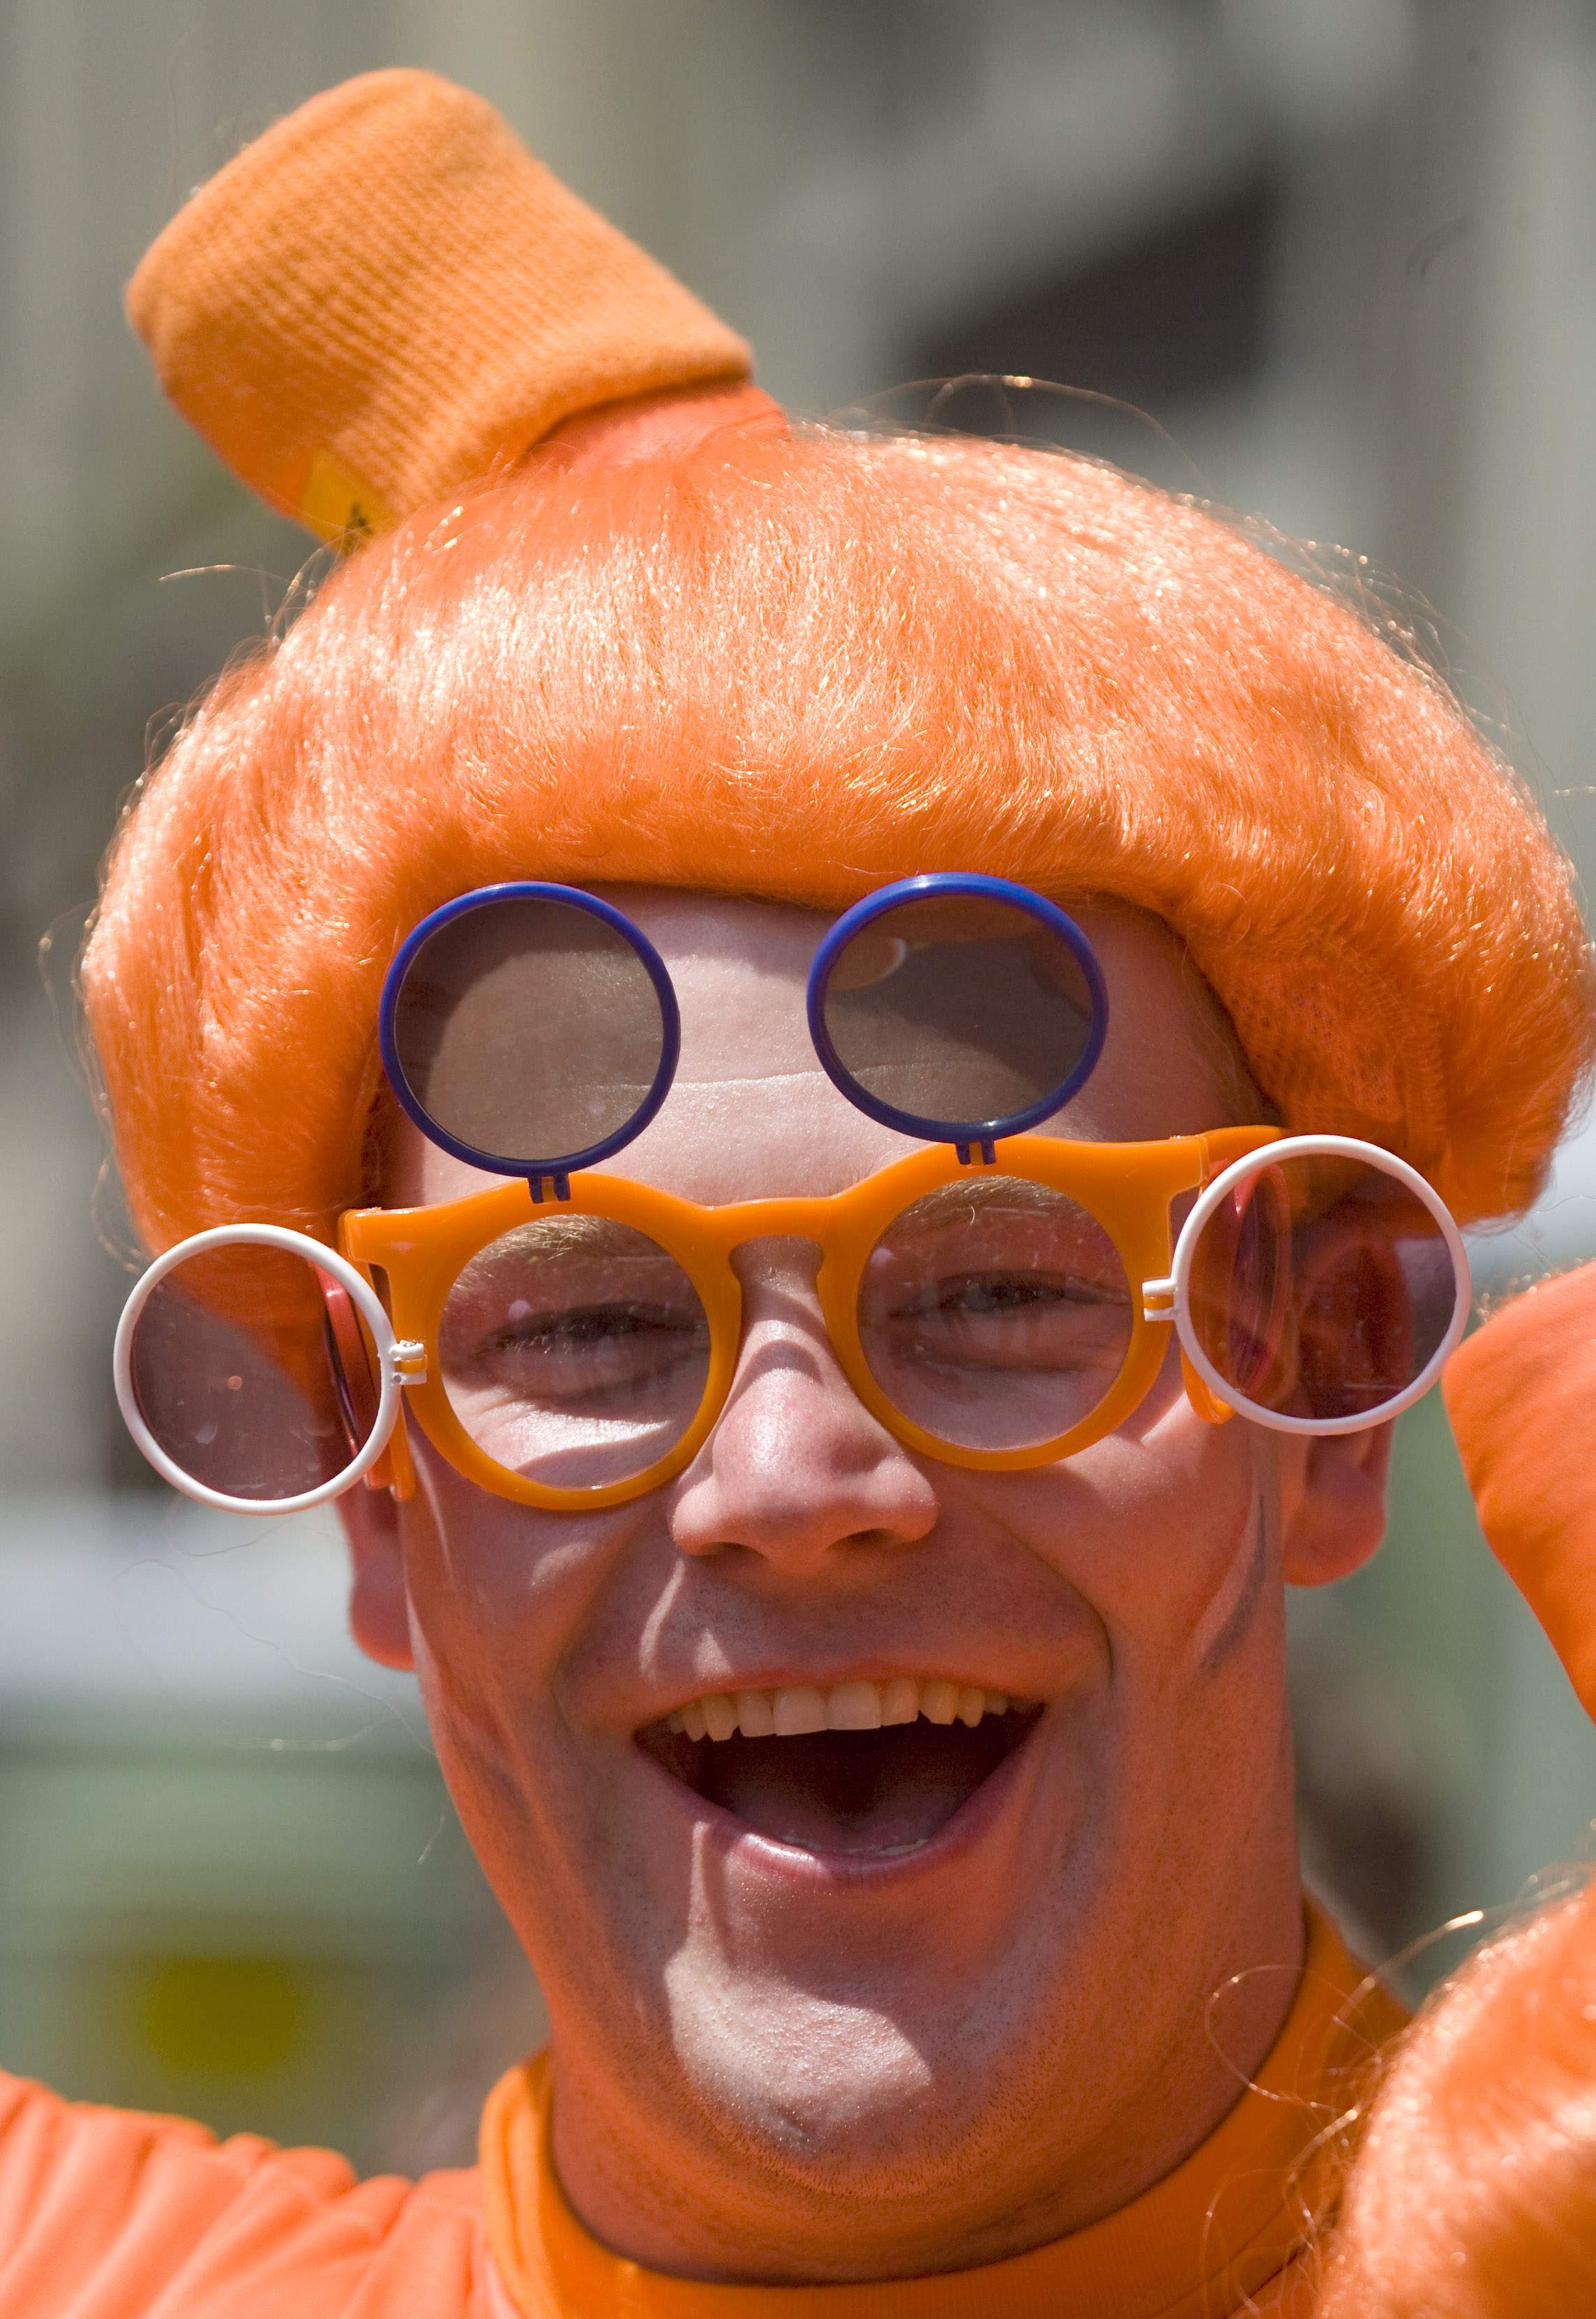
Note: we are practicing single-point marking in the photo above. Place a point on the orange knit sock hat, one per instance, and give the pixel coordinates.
(1521, 1396)
(386, 296)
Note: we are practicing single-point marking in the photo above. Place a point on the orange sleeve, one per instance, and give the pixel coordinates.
(1521, 1396)
(112, 2215)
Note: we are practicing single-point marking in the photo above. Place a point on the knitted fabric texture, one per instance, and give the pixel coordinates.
(385, 295)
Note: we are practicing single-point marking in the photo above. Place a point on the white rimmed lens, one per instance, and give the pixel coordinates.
(994, 1313)
(956, 1011)
(574, 1351)
(526, 1028)
(1320, 1285)
(238, 1381)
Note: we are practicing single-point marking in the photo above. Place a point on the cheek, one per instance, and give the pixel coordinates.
(504, 1601)
(1166, 1529)
(498, 1593)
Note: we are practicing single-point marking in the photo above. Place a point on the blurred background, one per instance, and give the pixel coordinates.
(1344, 258)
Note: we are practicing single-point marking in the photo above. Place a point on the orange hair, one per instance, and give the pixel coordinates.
(1474, 2196)
(796, 666)
(682, 644)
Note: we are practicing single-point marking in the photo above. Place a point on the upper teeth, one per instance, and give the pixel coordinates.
(853, 1706)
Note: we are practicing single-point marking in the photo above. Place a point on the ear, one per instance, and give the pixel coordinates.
(1333, 1505)
(379, 1608)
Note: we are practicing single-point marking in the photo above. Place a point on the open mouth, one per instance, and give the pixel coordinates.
(857, 1767)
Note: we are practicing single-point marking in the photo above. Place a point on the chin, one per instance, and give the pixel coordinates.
(814, 2088)
(848, 1932)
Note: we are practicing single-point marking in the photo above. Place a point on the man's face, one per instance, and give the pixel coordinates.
(935, 1961)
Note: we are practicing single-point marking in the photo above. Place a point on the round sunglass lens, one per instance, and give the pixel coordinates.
(1321, 1287)
(528, 1030)
(574, 1351)
(237, 1371)
(956, 1014)
(994, 1313)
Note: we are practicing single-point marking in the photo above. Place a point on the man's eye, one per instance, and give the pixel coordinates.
(1018, 1292)
(582, 1328)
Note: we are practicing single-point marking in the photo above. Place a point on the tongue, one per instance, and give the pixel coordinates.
(854, 1790)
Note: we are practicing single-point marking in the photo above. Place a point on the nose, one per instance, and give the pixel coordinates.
(797, 1468)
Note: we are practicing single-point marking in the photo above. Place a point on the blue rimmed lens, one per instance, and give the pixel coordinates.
(957, 1007)
(529, 1029)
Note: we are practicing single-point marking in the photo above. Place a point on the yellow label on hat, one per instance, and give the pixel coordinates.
(338, 506)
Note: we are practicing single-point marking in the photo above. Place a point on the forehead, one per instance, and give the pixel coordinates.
(751, 1113)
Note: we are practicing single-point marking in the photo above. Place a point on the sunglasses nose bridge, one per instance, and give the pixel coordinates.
(762, 1237)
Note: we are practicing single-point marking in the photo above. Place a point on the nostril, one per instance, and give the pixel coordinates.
(802, 1544)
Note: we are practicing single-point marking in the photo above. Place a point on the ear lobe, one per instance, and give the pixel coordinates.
(1334, 1519)
(379, 1607)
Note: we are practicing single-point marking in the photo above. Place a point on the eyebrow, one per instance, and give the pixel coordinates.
(968, 1196)
(548, 1238)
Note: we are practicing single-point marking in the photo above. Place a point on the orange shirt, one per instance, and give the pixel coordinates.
(110, 2215)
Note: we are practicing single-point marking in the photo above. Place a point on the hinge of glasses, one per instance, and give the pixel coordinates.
(559, 1187)
(1158, 1300)
(985, 1147)
(409, 1361)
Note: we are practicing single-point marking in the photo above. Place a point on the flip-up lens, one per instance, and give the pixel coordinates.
(957, 1008)
(248, 1372)
(529, 1029)
(1323, 1287)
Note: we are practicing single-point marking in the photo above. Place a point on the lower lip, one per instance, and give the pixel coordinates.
(796, 1865)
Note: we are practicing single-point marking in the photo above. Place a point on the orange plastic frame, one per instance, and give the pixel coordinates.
(1127, 1187)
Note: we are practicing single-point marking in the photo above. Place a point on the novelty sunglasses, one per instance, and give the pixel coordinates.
(998, 1299)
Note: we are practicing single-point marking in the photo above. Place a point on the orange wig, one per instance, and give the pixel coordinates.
(791, 662)
(1474, 2196)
